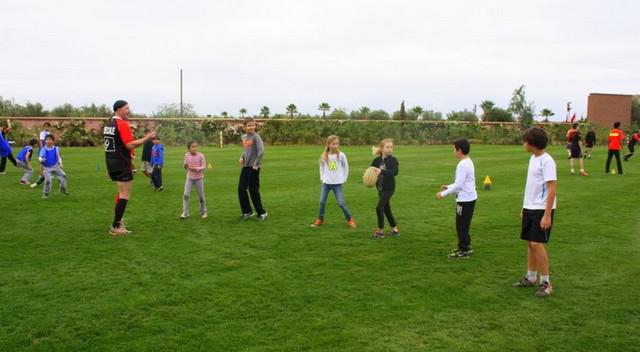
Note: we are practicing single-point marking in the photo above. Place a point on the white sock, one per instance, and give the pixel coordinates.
(573, 171)
(531, 275)
(581, 170)
(544, 278)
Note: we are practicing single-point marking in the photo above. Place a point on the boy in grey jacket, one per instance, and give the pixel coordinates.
(251, 161)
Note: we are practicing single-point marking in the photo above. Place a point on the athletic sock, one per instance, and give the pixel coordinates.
(119, 212)
(581, 170)
(545, 278)
(531, 275)
(573, 171)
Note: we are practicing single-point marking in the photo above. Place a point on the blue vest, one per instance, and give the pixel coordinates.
(22, 156)
(5, 147)
(50, 156)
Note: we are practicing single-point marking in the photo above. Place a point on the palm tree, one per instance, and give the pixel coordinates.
(487, 108)
(418, 110)
(546, 113)
(324, 107)
(242, 112)
(292, 109)
(264, 112)
(364, 111)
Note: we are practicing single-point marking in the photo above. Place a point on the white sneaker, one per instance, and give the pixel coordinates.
(120, 231)
(34, 185)
(204, 216)
(184, 216)
(263, 217)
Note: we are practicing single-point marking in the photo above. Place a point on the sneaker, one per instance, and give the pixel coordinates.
(203, 216)
(395, 232)
(247, 216)
(45, 196)
(64, 191)
(352, 223)
(3, 173)
(22, 182)
(583, 173)
(544, 290)
(459, 255)
(34, 185)
(377, 234)
(159, 189)
(316, 223)
(263, 217)
(120, 231)
(184, 216)
(524, 282)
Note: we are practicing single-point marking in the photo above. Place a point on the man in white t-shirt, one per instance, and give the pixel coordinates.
(464, 187)
(537, 210)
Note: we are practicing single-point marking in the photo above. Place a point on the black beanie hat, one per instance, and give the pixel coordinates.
(118, 104)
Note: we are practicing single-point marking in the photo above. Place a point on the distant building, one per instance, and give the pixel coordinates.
(605, 109)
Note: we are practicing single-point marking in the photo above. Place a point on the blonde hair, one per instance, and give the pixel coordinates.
(325, 154)
(378, 150)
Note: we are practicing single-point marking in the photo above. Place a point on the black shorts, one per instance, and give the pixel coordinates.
(576, 153)
(531, 230)
(589, 145)
(121, 175)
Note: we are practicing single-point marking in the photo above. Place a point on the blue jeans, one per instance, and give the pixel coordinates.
(337, 191)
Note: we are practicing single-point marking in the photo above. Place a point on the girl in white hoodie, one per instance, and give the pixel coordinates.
(334, 171)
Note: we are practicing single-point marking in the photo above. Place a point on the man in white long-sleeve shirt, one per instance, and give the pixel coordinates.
(464, 187)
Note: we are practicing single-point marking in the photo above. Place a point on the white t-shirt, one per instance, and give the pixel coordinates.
(465, 182)
(43, 135)
(335, 170)
(542, 169)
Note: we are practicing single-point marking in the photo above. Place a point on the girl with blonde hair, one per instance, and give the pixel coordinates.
(334, 171)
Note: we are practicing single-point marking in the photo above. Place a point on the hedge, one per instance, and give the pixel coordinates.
(282, 132)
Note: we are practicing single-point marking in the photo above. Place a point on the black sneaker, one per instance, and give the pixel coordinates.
(263, 217)
(459, 255)
(524, 282)
(247, 216)
(377, 235)
(395, 233)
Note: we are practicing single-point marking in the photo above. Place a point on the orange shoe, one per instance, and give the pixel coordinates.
(584, 173)
(316, 223)
(352, 223)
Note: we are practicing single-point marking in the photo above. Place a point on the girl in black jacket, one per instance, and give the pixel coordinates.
(387, 169)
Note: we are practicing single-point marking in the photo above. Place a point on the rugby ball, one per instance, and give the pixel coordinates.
(370, 177)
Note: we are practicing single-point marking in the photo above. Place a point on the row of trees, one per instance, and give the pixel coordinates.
(519, 109)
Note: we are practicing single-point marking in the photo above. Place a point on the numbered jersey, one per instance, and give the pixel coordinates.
(117, 134)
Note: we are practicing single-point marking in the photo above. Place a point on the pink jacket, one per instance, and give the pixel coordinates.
(197, 163)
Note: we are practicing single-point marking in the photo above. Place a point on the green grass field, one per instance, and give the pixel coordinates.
(222, 284)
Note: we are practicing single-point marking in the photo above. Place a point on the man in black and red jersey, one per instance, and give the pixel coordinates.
(633, 140)
(118, 147)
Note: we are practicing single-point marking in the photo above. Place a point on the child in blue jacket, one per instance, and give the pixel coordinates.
(157, 161)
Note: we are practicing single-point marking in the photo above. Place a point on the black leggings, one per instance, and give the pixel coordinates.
(384, 208)
(3, 162)
(464, 213)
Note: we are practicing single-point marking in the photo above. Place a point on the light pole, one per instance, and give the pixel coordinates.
(180, 93)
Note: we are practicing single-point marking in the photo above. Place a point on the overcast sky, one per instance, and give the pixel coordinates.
(440, 55)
